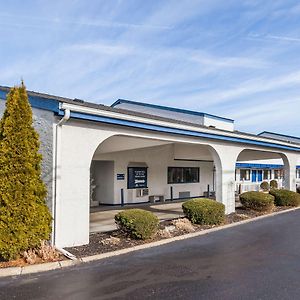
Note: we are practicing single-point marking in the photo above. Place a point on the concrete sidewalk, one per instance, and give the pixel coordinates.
(103, 221)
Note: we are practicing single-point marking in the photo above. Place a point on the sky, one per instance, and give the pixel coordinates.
(237, 59)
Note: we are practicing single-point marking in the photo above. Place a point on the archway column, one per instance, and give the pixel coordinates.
(72, 202)
(290, 164)
(225, 162)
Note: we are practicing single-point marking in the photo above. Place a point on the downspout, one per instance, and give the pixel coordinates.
(63, 120)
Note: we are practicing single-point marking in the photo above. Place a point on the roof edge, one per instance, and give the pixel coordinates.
(168, 108)
(279, 134)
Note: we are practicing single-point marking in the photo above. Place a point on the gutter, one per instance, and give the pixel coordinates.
(63, 120)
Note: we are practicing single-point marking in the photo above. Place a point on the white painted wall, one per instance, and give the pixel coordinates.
(77, 143)
(158, 159)
(103, 174)
(220, 124)
(205, 120)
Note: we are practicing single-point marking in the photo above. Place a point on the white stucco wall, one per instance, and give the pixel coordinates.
(218, 123)
(158, 159)
(77, 143)
(103, 184)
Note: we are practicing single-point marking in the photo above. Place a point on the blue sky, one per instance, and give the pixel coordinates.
(238, 59)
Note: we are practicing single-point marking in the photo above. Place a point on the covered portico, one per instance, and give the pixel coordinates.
(86, 139)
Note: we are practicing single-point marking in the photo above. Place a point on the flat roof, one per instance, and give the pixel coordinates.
(174, 109)
(279, 135)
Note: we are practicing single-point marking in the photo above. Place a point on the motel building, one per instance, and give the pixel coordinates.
(131, 153)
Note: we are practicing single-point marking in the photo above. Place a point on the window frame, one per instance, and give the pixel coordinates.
(182, 168)
(268, 171)
(247, 178)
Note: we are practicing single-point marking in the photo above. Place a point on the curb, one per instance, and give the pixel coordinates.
(15, 271)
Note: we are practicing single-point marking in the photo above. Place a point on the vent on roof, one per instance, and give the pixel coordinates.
(78, 100)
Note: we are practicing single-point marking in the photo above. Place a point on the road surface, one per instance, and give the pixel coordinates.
(258, 260)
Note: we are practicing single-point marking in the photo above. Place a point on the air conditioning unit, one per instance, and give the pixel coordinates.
(142, 192)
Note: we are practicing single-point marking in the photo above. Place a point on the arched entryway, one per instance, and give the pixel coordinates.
(254, 167)
(128, 171)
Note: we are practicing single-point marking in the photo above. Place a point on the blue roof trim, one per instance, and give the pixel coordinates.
(38, 102)
(179, 110)
(172, 130)
(279, 134)
(260, 166)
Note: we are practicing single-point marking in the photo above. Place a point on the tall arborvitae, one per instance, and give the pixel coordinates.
(25, 219)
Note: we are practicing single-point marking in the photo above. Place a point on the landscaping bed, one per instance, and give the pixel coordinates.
(43, 254)
(104, 242)
(21, 262)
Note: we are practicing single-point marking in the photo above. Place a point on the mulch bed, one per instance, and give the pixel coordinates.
(97, 243)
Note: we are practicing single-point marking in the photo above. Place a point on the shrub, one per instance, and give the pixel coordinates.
(273, 184)
(25, 219)
(265, 186)
(257, 201)
(286, 197)
(204, 211)
(298, 189)
(138, 223)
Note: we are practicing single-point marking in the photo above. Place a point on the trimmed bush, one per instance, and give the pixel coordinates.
(265, 186)
(286, 197)
(204, 211)
(257, 201)
(138, 223)
(273, 184)
(25, 219)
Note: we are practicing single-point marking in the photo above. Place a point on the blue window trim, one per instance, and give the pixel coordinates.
(259, 166)
(164, 129)
(179, 110)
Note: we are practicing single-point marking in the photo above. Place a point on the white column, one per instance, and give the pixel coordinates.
(73, 185)
(290, 163)
(225, 158)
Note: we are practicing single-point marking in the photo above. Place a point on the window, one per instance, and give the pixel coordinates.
(298, 173)
(183, 175)
(278, 174)
(266, 174)
(244, 174)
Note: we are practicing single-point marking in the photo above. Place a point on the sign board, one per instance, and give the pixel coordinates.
(137, 177)
(120, 176)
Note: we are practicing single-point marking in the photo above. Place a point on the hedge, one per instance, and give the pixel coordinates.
(257, 201)
(138, 223)
(273, 184)
(285, 197)
(265, 186)
(204, 211)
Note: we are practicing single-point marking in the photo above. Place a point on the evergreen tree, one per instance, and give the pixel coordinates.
(25, 219)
